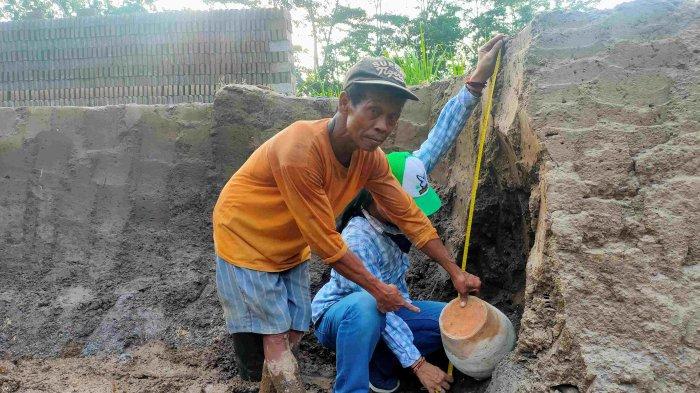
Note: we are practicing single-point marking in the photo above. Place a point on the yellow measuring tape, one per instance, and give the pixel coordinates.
(483, 128)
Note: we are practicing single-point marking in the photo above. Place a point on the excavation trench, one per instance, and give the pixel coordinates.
(106, 240)
(502, 232)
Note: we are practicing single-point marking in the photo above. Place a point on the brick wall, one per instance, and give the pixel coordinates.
(159, 58)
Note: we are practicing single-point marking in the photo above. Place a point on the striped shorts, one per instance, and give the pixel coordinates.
(263, 302)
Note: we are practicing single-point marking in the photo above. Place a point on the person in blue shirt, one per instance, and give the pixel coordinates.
(371, 346)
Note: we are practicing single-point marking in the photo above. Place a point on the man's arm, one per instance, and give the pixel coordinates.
(449, 124)
(456, 111)
(463, 282)
(394, 201)
(303, 193)
(439, 141)
(387, 295)
(396, 204)
(399, 338)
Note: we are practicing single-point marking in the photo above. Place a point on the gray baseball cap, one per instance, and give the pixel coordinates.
(378, 71)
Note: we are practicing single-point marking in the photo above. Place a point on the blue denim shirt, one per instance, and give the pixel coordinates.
(380, 255)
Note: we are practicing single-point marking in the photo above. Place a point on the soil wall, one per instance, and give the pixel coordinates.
(600, 112)
(105, 237)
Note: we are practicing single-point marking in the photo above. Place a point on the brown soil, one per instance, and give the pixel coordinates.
(153, 368)
(158, 368)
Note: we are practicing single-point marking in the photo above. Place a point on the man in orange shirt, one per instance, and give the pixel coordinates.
(282, 203)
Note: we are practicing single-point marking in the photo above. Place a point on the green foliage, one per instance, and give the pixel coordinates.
(488, 17)
(419, 69)
(457, 66)
(440, 23)
(425, 46)
(47, 9)
(422, 66)
(315, 86)
(441, 40)
(26, 9)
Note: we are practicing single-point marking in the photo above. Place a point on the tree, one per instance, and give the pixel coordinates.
(318, 21)
(314, 10)
(47, 9)
(441, 23)
(348, 36)
(487, 17)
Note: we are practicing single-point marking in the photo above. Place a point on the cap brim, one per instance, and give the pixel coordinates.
(429, 202)
(404, 91)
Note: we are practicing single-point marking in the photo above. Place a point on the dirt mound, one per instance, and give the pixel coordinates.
(104, 233)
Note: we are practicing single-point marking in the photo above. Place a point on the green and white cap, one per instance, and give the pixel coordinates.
(411, 173)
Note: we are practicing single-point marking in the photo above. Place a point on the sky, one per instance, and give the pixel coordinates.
(303, 37)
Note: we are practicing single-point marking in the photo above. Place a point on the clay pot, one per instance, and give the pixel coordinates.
(475, 337)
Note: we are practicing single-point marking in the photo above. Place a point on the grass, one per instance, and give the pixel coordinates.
(422, 66)
(419, 66)
(315, 86)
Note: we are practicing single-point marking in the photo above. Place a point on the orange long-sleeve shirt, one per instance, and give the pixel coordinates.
(287, 194)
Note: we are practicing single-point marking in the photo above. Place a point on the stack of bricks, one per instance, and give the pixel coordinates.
(160, 58)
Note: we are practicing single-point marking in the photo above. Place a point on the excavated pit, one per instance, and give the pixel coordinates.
(583, 232)
(106, 239)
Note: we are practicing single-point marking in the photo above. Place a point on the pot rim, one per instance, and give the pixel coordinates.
(478, 327)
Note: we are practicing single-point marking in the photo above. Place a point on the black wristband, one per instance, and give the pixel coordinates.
(476, 91)
(478, 85)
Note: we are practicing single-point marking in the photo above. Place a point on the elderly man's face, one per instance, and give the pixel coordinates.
(370, 121)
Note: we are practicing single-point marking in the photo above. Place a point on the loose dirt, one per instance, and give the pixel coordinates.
(153, 367)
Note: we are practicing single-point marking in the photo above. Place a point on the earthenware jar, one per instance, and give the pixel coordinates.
(475, 337)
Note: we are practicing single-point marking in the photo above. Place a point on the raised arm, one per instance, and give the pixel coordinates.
(449, 124)
(456, 111)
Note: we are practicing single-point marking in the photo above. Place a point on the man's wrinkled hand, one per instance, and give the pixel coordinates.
(433, 379)
(466, 284)
(389, 299)
(487, 58)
